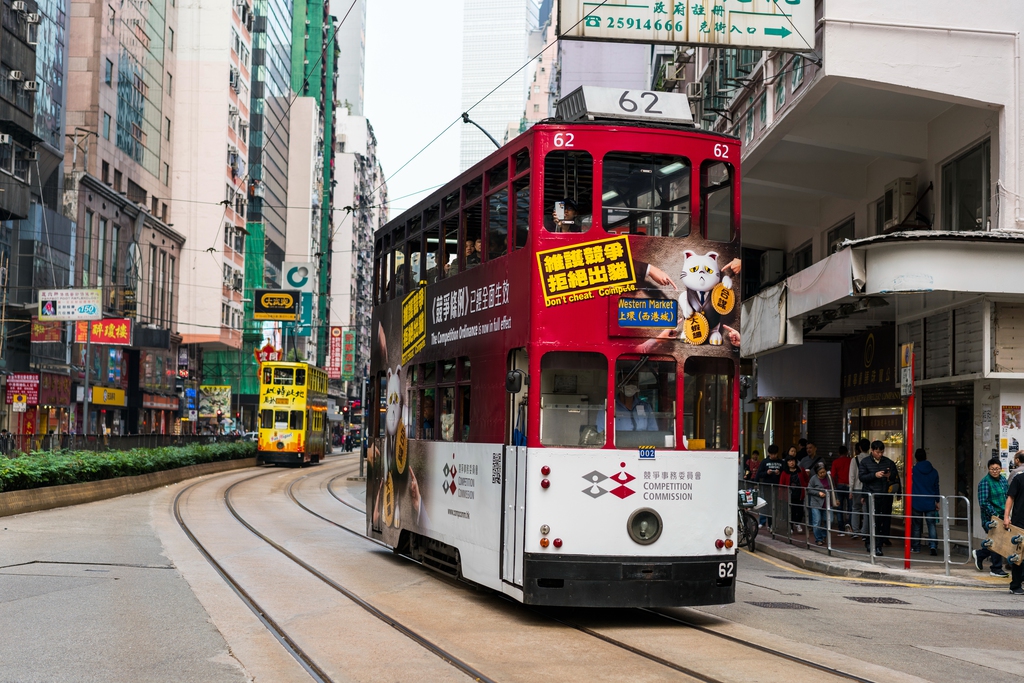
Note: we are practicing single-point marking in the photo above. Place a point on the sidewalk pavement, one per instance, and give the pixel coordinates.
(852, 563)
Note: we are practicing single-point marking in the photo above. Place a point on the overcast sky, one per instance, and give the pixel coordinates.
(412, 91)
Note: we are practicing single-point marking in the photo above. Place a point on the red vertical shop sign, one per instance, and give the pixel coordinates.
(334, 353)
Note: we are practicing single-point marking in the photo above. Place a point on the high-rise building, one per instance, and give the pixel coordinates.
(120, 128)
(351, 44)
(494, 45)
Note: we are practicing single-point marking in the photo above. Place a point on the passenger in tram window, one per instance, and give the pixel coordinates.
(632, 412)
(474, 257)
(447, 419)
(428, 416)
(565, 217)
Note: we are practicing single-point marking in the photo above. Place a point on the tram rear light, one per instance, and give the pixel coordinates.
(544, 529)
(543, 543)
(728, 531)
(728, 543)
(544, 483)
(545, 470)
(719, 544)
(557, 543)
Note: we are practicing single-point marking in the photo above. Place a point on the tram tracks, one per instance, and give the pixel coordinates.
(317, 673)
(810, 664)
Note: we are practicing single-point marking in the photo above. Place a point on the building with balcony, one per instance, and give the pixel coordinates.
(882, 180)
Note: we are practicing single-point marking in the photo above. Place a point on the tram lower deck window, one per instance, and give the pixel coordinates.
(573, 396)
(707, 403)
(296, 420)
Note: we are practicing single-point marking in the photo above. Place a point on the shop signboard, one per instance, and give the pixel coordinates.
(54, 390)
(157, 402)
(110, 331)
(107, 396)
(268, 354)
(70, 304)
(299, 275)
(869, 372)
(45, 331)
(770, 24)
(214, 399)
(276, 304)
(23, 387)
(348, 356)
(906, 369)
(334, 352)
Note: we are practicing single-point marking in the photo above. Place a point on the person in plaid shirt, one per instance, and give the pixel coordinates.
(991, 501)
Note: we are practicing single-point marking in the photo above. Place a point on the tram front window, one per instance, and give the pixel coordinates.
(283, 376)
(707, 403)
(574, 390)
(645, 400)
(646, 194)
(280, 419)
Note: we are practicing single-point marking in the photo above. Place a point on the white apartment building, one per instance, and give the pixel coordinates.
(210, 150)
(882, 181)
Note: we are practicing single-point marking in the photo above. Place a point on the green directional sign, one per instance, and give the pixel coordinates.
(768, 24)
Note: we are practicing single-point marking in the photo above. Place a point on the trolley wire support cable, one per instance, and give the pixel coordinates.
(430, 646)
(296, 651)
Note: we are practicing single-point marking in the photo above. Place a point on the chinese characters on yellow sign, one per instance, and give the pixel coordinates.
(277, 395)
(414, 324)
(575, 273)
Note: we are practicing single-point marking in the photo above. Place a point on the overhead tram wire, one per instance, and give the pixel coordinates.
(492, 91)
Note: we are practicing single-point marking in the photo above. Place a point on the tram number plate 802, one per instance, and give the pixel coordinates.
(647, 452)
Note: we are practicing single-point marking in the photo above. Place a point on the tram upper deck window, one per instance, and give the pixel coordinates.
(284, 376)
(401, 261)
(568, 191)
(473, 245)
(521, 190)
(433, 255)
(646, 194)
(645, 403)
(497, 224)
(451, 245)
(300, 377)
(707, 403)
(716, 200)
(573, 396)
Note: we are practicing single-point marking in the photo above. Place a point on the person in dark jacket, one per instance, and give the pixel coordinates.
(924, 502)
(796, 479)
(878, 473)
(768, 472)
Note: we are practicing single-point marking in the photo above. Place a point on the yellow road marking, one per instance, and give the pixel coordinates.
(854, 579)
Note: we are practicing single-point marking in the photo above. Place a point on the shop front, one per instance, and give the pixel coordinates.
(871, 394)
(159, 414)
(107, 412)
(54, 397)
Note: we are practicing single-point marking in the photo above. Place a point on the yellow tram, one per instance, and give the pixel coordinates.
(293, 413)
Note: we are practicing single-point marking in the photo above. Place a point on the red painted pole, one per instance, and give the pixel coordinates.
(908, 463)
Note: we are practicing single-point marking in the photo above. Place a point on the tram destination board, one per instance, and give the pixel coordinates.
(276, 304)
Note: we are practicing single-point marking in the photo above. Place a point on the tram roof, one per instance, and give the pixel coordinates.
(511, 146)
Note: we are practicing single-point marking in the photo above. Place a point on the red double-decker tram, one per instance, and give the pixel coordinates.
(555, 361)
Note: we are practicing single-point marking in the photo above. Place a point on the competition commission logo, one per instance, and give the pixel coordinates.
(596, 479)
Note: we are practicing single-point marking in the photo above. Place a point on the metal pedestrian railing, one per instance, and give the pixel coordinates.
(865, 520)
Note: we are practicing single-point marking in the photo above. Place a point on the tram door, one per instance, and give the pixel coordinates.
(514, 491)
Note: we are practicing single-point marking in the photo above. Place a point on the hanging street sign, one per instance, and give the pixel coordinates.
(275, 304)
(70, 304)
(299, 276)
(770, 24)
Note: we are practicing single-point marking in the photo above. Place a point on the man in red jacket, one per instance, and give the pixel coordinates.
(840, 473)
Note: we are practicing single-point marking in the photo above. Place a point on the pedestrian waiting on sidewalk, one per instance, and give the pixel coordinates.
(840, 473)
(859, 511)
(925, 502)
(796, 479)
(769, 472)
(818, 491)
(1018, 466)
(992, 490)
(1013, 513)
(881, 479)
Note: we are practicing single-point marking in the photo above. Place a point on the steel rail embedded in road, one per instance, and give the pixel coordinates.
(443, 654)
(296, 651)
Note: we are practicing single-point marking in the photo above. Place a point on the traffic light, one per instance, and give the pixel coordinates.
(220, 414)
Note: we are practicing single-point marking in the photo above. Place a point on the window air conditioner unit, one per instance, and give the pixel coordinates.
(19, 6)
(695, 91)
(30, 156)
(237, 282)
(772, 265)
(31, 86)
(15, 76)
(5, 139)
(32, 18)
(899, 198)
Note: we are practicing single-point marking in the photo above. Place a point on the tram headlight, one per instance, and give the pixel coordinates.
(644, 526)
(280, 445)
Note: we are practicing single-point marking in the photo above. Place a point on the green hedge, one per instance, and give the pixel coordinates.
(44, 468)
